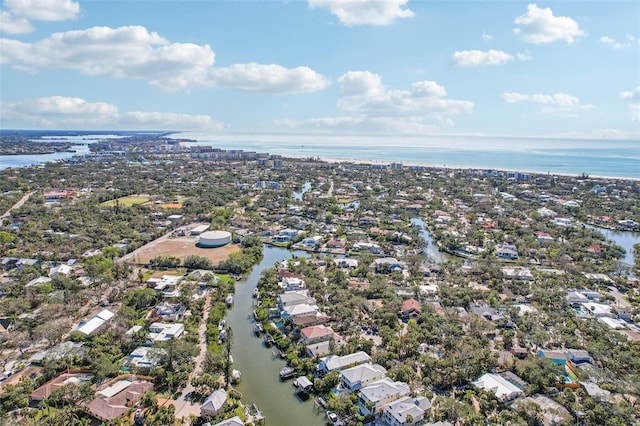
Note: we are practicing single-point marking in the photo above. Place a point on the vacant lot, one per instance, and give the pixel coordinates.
(180, 247)
(129, 201)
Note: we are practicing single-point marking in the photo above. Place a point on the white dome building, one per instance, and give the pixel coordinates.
(211, 239)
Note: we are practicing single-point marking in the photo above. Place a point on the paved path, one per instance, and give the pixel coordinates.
(330, 191)
(16, 206)
(186, 408)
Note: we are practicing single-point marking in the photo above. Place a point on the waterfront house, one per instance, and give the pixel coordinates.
(291, 298)
(214, 403)
(335, 362)
(373, 397)
(405, 411)
(354, 378)
(291, 283)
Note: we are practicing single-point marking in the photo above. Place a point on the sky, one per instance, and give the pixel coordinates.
(560, 69)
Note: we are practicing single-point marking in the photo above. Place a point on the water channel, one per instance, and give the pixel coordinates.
(260, 381)
(431, 250)
(299, 195)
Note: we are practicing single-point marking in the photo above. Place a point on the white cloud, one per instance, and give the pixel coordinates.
(133, 52)
(373, 107)
(77, 113)
(17, 14)
(365, 12)
(618, 45)
(271, 78)
(633, 97)
(524, 56)
(11, 24)
(539, 26)
(557, 103)
(476, 58)
(486, 37)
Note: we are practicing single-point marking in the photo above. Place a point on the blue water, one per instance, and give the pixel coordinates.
(609, 158)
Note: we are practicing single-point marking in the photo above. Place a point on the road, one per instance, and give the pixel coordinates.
(16, 206)
(186, 408)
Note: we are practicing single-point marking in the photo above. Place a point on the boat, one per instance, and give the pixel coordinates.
(287, 373)
(258, 328)
(235, 376)
(229, 300)
(221, 324)
(256, 292)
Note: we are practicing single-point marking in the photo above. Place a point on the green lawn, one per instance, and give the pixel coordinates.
(129, 201)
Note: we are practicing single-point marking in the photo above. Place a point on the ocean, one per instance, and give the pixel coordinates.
(596, 158)
(601, 158)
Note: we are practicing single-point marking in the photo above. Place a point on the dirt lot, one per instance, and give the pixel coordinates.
(179, 247)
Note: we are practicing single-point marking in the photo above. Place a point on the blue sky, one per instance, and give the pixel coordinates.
(353, 67)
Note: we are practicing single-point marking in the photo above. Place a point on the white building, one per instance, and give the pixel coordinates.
(499, 386)
(96, 322)
(405, 411)
(373, 397)
(161, 332)
(214, 403)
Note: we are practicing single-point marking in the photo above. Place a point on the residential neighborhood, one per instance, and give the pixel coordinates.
(407, 295)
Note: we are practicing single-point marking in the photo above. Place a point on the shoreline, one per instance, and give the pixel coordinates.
(336, 160)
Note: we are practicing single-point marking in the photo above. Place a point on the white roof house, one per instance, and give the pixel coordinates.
(214, 403)
(396, 412)
(291, 298)
(146, 357)
(233, 421)
(335, 362)
(499, 386)
(61, 269)
(95, 322)
(377, 394)
(356, 377)
(160, 332)
(300, 310)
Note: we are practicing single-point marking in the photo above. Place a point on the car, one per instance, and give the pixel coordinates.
(138, 413)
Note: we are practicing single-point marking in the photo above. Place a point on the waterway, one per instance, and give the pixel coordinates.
(431, 251)
(625, 239)
(260, 381)
(299, 195)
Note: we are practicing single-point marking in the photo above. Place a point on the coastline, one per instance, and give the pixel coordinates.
(335, 160)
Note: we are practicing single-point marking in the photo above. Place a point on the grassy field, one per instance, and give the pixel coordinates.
(129, 201)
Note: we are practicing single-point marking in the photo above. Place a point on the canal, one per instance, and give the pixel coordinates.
(431, 250)
(260, 382)
(299, 195)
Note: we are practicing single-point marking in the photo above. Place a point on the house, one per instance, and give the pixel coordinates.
(95, 323)
(61, 269)
(114, 399)
(411, 308)
(291, 298)
(354, 378)
(146, 357)
(44, 391)
(291, 283)
(302, 309)
(169, 312)
(59, 351)
(346, 263)
(335, 362)
(371, 247)
(161, 332)
(550, 412)
(316, 333)
(485, 311)
(214, 403)
(310, 242)
(388, 264)
(405, 411)
(517, 273)
(233, 421)
(499, 386)
(507, 251)
(337, 244)
(373, 397)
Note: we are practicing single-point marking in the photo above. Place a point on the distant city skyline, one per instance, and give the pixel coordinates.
(324, 67)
